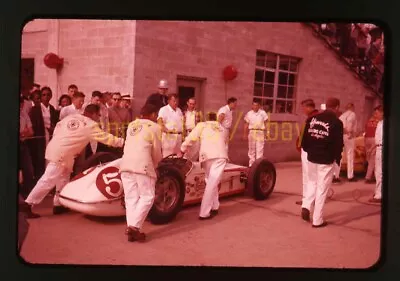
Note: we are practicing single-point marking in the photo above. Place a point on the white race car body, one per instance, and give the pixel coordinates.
(98, 191)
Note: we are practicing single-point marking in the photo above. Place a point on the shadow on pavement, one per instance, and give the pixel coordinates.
(187, 219)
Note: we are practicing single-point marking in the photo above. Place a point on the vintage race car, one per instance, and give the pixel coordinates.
(98, 190)
(360, 159)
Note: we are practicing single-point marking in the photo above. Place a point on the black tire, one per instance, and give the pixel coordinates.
(96, 159)
(261, 179)
(159, 215)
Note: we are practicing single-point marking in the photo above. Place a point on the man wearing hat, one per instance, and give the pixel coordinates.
(126, 103)
(159, 99)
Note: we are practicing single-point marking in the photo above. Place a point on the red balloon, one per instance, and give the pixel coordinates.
(230, 72)
(51, 60)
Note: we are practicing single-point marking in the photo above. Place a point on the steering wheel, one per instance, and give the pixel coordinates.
(174, 156)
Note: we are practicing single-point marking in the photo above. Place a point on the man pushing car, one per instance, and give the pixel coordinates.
(142, 153)
(71, 136)
(213, 158)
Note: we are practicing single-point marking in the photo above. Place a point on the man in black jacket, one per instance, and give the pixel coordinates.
(323, 142)
(159, 99)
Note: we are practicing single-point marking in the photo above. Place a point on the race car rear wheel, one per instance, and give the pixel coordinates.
(261, 179)
(169, 196)
(96, 159)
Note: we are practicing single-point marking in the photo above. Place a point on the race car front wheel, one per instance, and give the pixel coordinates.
(169, 196)
(261, 179)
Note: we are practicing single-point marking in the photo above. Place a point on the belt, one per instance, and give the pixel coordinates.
(256, 129)
(173, 133)
(379, 145)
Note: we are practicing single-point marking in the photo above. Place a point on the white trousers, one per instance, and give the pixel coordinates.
(378, 173)
(139, 197)
(349, 145)
(54, 175)
(319, 180)
(214, 169)
(171, 144)
(256, 145)
(304, 166)
(336, 170)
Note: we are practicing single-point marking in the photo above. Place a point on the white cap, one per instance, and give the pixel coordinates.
(163, 84)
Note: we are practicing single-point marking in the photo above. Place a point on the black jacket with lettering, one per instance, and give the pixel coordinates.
(323, 138)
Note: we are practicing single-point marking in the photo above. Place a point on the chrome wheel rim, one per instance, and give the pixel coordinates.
(166, 195)
(266, 181)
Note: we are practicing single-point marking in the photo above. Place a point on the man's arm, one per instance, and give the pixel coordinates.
(305, 140)
(193, 137)
(161, 121)
(221, 117)
(338, 141)
(246, 126)
(156, 153)
(99, 135)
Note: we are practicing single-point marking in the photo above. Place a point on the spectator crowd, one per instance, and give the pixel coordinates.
(38, 119)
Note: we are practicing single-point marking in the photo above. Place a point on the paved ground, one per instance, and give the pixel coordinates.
(266, 233)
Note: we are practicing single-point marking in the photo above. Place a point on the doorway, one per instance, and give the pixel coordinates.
(189, 88)
(27, 73)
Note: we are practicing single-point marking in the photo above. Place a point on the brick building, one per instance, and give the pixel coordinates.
(283, 63)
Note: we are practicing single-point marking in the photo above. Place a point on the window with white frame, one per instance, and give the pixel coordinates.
(275, 82)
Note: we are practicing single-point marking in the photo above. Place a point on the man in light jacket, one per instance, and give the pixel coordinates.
(142, 153)
(70, 136)
(213, 158)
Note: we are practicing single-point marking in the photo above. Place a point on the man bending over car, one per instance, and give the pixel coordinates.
(213, 158)
(70, 137)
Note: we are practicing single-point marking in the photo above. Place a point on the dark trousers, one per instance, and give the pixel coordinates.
(25, 164)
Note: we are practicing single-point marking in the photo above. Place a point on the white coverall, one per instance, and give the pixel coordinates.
(256, 138)
(349, 124)
(70, 136)
(173, 121)
(142, 153)
(213, 158)
(378, 160)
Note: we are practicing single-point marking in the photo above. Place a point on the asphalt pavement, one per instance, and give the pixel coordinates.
(246, 232)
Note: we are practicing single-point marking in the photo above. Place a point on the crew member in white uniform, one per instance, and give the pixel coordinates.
(254, 130)
(323, 142)
(378, 163)
(213, 158)
(190, 119)
(170, 118)
(70, 136)
(225, 117)
(349, 133)
(142, 153)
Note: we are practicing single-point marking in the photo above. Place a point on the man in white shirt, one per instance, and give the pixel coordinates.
(142, 153)
(225, 117)
(78, 99)
(190, 118)
(349, 121)
(378, 163)
(254, 131)
(213, 158)
(170, 118)
(70, 136)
